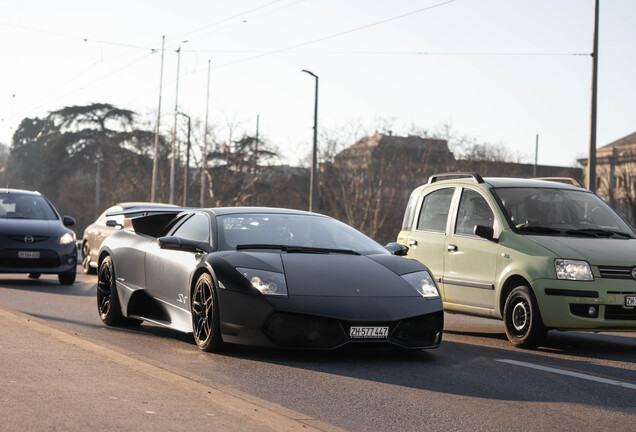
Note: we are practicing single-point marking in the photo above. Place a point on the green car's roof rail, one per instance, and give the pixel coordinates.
(442, 176)
(566, 180)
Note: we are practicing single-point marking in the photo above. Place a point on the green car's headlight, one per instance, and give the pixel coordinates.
(66, 238)
(573, 270)
(268, 283)
(423, 283)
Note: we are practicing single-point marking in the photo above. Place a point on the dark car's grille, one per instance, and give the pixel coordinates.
(422, 331)
(299, 331)
(613, 272)
(619, 313)
(48, 259)
(20, 238)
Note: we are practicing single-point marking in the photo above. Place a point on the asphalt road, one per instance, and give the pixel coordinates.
(475, 381)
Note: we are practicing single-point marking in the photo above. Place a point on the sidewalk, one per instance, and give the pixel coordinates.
(51, 379)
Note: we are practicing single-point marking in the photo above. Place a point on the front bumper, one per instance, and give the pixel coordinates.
(49, 261)
(597, 305)
(324, 322)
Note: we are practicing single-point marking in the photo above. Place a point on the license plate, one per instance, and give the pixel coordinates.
(630, 301)
(359, 332)
(29, 254)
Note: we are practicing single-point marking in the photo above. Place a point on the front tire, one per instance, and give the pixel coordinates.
(522, 319)
(86, 260)
(205, 315)
(108, 305)
(67, 278)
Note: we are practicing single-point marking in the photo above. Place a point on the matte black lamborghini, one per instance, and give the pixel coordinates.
(264, 277)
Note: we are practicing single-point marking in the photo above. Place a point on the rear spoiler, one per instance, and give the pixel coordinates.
(150, 221)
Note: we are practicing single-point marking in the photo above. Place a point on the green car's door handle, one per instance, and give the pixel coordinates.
(451, 248)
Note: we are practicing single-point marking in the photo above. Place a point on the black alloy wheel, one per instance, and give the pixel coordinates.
(205, 315)
(522, 319)
(107, 299)
(86, 259)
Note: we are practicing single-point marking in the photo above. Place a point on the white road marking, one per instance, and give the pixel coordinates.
(568, 373)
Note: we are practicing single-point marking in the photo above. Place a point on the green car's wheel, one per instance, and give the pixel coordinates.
(522, 319)
(205, 315)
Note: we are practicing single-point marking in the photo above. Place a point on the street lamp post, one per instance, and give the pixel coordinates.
(312, 175)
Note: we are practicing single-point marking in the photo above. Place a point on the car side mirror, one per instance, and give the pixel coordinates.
(485, 232)
(396, 249)
(68, 221)
(186, 245)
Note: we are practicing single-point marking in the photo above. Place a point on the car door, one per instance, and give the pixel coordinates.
(470, 261)
(427, 241)
(168, 272)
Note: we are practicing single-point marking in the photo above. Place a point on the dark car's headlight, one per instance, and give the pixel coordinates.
(66, 238)
(423, 283)
(268, 283)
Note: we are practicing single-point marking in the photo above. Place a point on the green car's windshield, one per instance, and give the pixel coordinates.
(561, 212)
(23, 206)
(292, 233)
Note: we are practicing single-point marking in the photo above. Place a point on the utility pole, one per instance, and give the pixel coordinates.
(591, 162)
(536, 156)
(173, 167)
(204, 156)
(314, 158)
(155, 161)
(256, 145)
(186, 174)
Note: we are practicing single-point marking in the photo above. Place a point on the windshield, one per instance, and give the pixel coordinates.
(22, 206)
(300, 231)
(560, 211)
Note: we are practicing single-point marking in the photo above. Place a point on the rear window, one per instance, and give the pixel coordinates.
(435, 209)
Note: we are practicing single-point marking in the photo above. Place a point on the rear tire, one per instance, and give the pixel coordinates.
(86, 260)
(205, 315)
(34, 275)
(108, 305)
(522, 319)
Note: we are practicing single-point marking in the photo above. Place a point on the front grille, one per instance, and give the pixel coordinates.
(20, 238)
(614, 272)
(422, 331)
(48, 259)
(299, 331)
(620, 313)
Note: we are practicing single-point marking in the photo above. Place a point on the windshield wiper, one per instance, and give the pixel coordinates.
(538, 229)
(296, 249)
(596, 232)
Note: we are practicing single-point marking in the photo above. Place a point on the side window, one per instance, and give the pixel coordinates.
(407, 223)
(434, 212)
(195, 228)
(473, 210)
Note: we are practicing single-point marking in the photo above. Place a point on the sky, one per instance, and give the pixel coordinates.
(498, 71)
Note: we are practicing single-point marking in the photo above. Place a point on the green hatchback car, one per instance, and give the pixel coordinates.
(538, 254)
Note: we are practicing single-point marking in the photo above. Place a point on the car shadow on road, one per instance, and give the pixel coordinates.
(50, 286)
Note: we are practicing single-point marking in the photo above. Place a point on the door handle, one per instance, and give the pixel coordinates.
(412, 242)
(451, 248)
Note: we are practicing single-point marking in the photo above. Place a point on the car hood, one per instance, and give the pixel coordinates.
(47, 228)
(338, 275)
(596, 251)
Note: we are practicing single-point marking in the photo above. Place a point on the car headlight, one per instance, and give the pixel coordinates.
(66, 238)
(573, 270)
(423, 283)
(268, 283)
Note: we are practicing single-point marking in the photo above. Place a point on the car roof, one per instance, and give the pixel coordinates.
(127, 205)
(501, 182)
(19, 191)
(222, 211)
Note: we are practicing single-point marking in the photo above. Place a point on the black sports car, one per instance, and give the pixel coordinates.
(34, 238)
(264, 277)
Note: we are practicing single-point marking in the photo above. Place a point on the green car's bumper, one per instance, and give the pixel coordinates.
(599, 305)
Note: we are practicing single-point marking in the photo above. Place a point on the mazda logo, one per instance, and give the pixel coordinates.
(634, 272)
(29, 239)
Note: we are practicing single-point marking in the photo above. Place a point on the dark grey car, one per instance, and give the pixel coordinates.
(34, 238)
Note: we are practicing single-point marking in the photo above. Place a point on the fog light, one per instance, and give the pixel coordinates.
(71, 260)
(591, 311)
